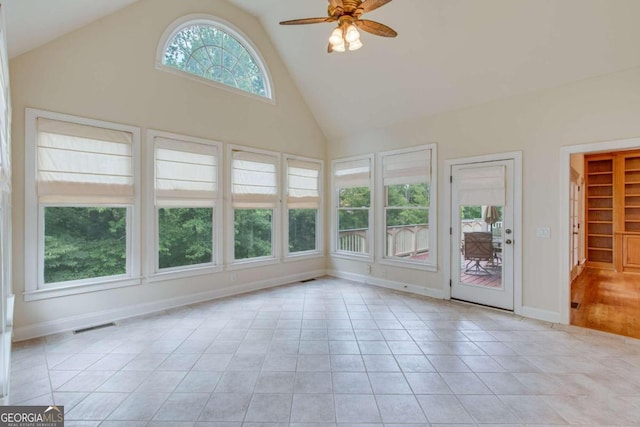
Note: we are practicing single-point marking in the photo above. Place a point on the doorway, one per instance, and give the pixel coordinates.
(483, 232)
(603, 291)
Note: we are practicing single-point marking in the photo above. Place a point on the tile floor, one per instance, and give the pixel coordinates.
(330, 352)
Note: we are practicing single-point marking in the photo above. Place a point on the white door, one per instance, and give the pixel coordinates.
(482, 248)
(574, 210)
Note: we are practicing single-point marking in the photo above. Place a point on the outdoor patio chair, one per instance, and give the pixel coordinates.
(478, 247)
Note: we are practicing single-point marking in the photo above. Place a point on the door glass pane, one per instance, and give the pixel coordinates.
(481, 240)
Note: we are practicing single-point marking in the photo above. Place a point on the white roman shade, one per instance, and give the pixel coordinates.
(407, 168)
(186, 173)
(84, 164)
(352, 173)
(481, 186)
(303, 181)
(254, 180)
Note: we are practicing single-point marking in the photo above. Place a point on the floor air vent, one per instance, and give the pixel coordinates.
(575, 305)
(308, 280)
(93, 328)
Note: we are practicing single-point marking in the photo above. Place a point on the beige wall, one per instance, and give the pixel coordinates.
(106, 71)
(538, 124)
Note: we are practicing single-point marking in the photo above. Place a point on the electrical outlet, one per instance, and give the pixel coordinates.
(234, 277)
(368, 269)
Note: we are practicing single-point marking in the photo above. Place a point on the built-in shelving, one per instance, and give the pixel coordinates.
(600, 210)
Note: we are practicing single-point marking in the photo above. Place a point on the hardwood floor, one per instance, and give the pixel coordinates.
(609, 302)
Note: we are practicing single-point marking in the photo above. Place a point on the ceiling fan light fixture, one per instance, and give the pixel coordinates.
(339, 47)
(336, 37)
(355, 45)
(352, 34)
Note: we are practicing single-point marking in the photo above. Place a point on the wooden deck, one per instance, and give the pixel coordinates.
(493, 280)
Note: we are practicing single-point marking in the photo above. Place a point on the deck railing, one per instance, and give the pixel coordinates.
(402, 241)
(406, 240)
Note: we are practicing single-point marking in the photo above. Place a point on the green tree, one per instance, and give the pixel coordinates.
(81, 243)
(185, 236)
(302, 229)
(407, 204)
(252, 232)
(470, 212)
(356, 199)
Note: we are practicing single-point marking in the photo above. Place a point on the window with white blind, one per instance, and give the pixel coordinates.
(303, 213)
(407, 206)
(82, 202)
(186, 202)
(352, 189)
(254, 194)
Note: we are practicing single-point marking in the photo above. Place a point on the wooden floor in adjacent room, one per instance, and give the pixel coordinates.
(609, 302)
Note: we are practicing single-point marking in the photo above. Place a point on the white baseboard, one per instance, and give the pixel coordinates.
(540, 314)
(92, 319)
(389, 284)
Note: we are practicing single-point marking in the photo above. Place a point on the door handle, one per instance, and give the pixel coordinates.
(508, 241)
(575, 232)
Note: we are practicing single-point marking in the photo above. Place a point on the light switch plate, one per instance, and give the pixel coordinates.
(543, 232)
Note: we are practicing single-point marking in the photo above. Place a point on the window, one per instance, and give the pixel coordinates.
(81, 190)
(303, 206)
(353, 195)
(213, 50)
(254, 204)
(408, 212)
(186, 202)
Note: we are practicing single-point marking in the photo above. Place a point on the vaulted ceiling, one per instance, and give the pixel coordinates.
(449, 54)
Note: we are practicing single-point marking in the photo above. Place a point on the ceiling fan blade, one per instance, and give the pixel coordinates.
(369, 5)
(305, 21)
(375, 28)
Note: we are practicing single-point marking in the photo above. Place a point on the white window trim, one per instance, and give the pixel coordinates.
(319, 251)
(369, 257)
(200, 18)
(229, 237)
(35, 289)
(432, 265)
(154, 273)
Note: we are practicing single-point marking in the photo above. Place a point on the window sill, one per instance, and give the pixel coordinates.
(251, 263)
(182, 273)
(353, 257)
(408, 264)
(303, 256)
(64, 291)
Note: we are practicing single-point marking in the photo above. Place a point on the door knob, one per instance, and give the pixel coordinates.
(508, 241)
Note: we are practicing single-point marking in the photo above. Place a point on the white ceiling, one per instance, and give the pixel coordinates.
(449, 54)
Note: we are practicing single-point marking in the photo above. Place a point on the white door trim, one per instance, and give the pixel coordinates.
(516, 156)
(565, 220)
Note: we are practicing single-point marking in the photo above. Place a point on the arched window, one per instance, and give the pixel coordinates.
(212, 49)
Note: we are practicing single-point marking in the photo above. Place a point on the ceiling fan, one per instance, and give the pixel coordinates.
(347, 13)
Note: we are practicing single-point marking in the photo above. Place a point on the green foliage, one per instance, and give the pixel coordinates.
(470, 212)
(252, 230)
(414, 198)
(185, 236)
(302, 230)
(359, 199)
(82, 243)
